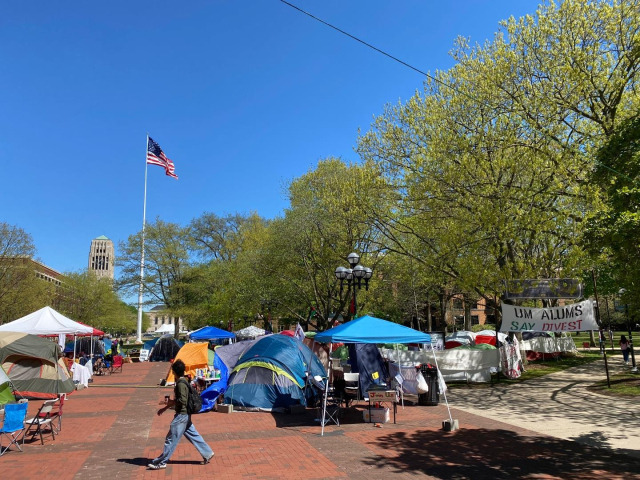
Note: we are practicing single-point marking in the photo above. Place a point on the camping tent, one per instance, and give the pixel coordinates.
(6, 394)
(272, 375)
(459, 338)
(46, 321)
(145, 351)
(194, 356)
(210, 333)
(489, 337)
(249, 333)
(225, 359)
(34, 365)
(87, 345)
(165, 349)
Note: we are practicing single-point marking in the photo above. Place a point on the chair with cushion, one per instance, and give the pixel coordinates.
(13, 425)
(41, 422)
(117, 364)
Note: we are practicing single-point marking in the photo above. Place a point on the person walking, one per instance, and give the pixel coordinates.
(624, 346)
(181, 423)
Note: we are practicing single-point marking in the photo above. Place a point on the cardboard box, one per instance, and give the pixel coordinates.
(225, 408)
(383, 395)
(378, 415)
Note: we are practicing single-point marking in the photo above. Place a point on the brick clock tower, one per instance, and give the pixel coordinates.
(102, 257)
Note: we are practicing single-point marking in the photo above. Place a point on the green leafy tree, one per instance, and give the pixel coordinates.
(488, 166)
(614, 228)
(167, 255)
(93, 301)
(224, 288)
(21, 292)
(324, 223)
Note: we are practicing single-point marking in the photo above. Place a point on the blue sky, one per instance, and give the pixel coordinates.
(243, 96)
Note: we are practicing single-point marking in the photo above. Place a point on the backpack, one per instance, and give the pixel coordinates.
(194, 403)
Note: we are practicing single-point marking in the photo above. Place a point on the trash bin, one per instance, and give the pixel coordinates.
(432, 397)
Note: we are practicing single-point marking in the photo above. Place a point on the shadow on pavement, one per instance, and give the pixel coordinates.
(497, 454)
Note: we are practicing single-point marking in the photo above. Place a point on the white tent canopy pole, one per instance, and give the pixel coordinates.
(326, 391)
(444, 391)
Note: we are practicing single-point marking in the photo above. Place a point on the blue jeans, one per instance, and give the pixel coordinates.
(625, 354)
(181, 425)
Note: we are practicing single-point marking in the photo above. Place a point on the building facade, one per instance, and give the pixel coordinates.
(160, 317)
(102, 257)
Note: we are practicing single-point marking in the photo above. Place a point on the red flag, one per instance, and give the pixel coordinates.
(155, 156)
(352, 307)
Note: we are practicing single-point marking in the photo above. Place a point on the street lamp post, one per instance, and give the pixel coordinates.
(268, 303)
(354, 277)
(634, 369)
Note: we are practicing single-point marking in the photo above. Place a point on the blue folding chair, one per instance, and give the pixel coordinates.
(13, 426)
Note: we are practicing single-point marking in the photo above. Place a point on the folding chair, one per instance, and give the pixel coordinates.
(330, 404)
(41, 421)
(56, 413)
(13, 425)
(351, 387)
(117, 364)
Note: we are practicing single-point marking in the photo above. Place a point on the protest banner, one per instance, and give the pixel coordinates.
(569, 318)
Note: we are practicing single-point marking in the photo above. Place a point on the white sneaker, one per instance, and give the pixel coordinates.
(159, 466)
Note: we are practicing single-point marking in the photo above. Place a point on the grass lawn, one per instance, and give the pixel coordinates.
(624, 385)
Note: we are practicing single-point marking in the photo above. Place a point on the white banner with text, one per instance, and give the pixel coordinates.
(569, 318)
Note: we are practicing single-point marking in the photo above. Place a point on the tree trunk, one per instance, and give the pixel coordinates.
(467, 313)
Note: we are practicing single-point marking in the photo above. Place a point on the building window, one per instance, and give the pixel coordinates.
(475, 320)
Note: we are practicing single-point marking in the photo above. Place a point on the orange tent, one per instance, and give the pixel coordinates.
(194, 356)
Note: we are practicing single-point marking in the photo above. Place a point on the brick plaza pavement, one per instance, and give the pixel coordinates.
(111, 431)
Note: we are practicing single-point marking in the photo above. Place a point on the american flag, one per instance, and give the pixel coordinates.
(155, 156)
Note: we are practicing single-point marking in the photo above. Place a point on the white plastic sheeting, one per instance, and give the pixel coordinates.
(549, 344)
(456, 364)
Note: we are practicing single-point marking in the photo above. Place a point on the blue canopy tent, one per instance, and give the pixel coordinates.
(369, 329)
(211, 333)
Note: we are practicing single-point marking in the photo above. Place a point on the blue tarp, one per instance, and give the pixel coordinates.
(369, 329)
(210, 333)
(254, 386)
(366, 360)
(211, 394)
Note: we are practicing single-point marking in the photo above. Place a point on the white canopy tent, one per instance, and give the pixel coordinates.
(46, 321)
(166, 328)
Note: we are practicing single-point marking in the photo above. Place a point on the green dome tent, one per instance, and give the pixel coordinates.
(34, 366)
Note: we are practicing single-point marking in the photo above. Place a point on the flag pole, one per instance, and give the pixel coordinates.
(144, 222)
